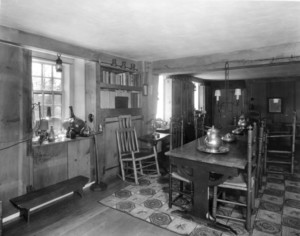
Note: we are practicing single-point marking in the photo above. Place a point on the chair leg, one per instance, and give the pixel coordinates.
(141, 167)
(156, 161)
(170, 190)
(214, 207)
(292, 164)
(122, 170)
(249, 210)
(135, 172)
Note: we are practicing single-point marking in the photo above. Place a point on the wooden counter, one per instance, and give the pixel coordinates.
(63, 159)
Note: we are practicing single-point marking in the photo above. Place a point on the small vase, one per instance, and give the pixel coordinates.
(51, 136)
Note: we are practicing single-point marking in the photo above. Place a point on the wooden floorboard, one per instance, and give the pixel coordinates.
(83, 216)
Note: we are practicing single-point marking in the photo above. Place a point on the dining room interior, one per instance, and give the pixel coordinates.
(135, 118)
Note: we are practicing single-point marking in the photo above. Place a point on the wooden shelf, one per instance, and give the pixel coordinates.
(119, 87)
(118, 69)
(121, 111)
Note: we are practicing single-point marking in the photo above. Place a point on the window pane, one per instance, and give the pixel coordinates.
(44, 113)
(37, 98)
(56, 85)
(46, 80)
(36, 69)
(48, 100)
(36, 83)
(47, 70)
(56, 74)
(48, 84)
(57, 111)
(57, 99)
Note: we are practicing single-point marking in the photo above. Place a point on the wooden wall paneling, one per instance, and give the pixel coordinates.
(110, 155)
(50, 164)
(79, 161)
(15, 122)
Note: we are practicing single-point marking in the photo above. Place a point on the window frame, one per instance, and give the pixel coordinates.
(48, 92)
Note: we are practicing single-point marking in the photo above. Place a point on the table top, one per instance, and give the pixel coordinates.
(236, 157)
(153, 138)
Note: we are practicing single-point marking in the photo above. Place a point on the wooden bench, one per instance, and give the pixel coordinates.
(27, 203)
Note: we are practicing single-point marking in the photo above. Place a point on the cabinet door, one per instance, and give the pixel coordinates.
(79, 158)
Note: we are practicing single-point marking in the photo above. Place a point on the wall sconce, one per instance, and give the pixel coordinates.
(217, 94)
(237, 93)
(58, 65)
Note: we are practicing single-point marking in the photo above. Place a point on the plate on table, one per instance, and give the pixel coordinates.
(237, 131)
(228, 138)
(222, 149)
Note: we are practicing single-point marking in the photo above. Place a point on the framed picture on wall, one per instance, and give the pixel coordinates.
(275, 105)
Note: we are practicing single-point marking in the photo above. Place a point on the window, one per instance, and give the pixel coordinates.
(47, 87)
(199, 96)
(164, 103)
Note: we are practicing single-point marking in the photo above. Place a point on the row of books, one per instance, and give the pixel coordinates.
(119, 99)
(125, 79)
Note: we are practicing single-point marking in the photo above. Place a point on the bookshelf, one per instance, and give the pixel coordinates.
(120, 91)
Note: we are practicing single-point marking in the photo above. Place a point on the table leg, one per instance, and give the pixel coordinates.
(201, 201)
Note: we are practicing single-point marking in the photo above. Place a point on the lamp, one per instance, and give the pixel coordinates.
(237, 93)
(218, 94)
(58, 65)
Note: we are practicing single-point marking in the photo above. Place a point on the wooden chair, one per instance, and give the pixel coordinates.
(177, 172)
(244, 182)
(280, 148)
(199, 119)
(135, 163)
(125, 121)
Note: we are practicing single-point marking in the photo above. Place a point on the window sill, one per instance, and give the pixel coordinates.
(35, 141)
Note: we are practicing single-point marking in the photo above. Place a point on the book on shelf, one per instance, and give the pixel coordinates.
(124, 78)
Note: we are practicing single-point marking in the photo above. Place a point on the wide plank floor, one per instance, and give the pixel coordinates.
(83, 216)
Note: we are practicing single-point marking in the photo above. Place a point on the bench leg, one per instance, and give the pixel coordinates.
(25, 214)
(79, 192)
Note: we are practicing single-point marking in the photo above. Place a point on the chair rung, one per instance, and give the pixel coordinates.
(279, 152)
(232, 186)
(231, 218)
(231, 202)
(280, 162)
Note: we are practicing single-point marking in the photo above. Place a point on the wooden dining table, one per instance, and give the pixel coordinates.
(204, 165)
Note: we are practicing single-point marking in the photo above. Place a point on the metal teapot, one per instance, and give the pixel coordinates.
(242, 123)
(213, 139)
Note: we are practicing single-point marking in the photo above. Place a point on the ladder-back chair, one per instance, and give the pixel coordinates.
(134, 162)
(244, 182)
(280, 149)
(176, 172)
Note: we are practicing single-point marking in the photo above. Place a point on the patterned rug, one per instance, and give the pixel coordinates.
(149, 202)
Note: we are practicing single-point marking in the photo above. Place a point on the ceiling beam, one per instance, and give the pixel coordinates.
(266, 56)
